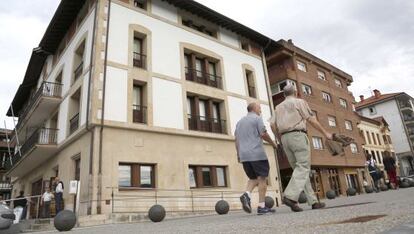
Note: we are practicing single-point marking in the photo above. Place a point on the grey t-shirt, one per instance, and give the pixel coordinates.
(248, 136)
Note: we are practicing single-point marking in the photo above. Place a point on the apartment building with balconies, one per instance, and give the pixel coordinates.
(377, 136)
(136, 97)
(397, 110)
(325, 88)
(5, 148)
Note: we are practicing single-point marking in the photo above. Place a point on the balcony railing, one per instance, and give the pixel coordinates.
(204, 124)
(408, 118)
(139, 60)
(47, 89)
(252, 91)
(78, 71)
(203, 78)
(74, 123)
(41, 136)
(5, 185)
(139, 114)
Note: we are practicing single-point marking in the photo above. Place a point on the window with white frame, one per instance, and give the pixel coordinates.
(343, 103)
(338, 83)
(354, 148)
(301, 66)
(326, 97)
(277, 88)
(348, 125)
(332, 121)
(321, 75)
(306, 89)
(317, 143)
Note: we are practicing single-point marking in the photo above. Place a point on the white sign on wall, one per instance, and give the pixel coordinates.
(73, 187)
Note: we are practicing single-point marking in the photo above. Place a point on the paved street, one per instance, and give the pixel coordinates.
(391, 211)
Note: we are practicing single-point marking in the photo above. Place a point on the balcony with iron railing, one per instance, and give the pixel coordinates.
(74, 124)
(409, 120)
(40, 104)
(203, 78)
(406, 107)
(139, 114)
(139, 60)
(78, 71)
(5, 185)
(41, 144)
(205, 124)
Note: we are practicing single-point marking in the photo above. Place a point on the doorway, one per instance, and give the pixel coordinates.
(35, 201)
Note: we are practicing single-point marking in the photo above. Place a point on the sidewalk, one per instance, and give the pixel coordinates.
(368, 213)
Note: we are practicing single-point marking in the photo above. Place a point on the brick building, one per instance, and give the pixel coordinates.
(325, 88)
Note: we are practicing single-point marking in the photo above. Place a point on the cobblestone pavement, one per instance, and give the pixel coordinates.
(393, 210)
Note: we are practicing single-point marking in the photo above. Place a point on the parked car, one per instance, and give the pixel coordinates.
(6, 217)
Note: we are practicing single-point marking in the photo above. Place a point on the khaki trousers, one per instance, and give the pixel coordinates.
(297, 149)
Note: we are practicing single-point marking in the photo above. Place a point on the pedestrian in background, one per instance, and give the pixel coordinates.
(46, 200)
(390, 167)
(59, 195)
(373, 172)
(21, 201)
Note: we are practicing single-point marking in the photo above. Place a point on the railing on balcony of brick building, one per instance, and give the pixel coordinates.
(203, 78)
(139, 60)
(46, 89)
(41, 136)
(204, 124)
(5, 185)
(74, 123)
(139, 114)
(78, 71)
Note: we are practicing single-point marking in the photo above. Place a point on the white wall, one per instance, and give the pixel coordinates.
(167, 104)
(116, 94)
(63, 120)
(166, 39)
(237, 110)
(389, 110)
(165, 10)
(229, 37)
(266, 115)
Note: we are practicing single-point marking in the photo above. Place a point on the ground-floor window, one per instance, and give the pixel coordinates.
(135, 175)
(207, 176)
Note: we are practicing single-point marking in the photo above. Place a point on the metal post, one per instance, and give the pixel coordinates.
(222, 195)
(112, 195)
(38, 207)
(192, 201)
(156, 197)
(277, 202)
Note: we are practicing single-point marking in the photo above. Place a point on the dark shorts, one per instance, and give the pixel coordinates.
(256, 168)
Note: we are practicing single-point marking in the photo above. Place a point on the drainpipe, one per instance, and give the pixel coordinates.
(99, 197)
(270, 100)
(88, 128)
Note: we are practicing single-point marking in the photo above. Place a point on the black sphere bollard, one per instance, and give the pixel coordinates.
(156, 213)
(411, 183)
(269, 202)
(404, 184)
(351, 192)
(302, 198)
(330, 194)
(369, 189)
(222, 207)
(64, 221)
(384, 188)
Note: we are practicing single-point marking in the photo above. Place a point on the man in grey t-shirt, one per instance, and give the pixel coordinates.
(250, 133)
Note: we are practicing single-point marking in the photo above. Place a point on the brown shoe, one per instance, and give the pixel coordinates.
(292, 204)
(318, 205)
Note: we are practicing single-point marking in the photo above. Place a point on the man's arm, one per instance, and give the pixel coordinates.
(237, 149)
(315, 123)
(266, 137)
(275, 131)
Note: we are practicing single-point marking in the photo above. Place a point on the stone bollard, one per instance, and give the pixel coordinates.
(351, 192)
(302, 198)
(222, 207)
(156, 213)
(330, 194)
(269, 202)
(65, 220)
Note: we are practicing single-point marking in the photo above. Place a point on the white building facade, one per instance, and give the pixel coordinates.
(397, 110)
(138, 99)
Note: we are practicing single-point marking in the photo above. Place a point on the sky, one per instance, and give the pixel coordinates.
(373, 40)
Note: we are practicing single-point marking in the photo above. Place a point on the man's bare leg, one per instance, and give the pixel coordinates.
(262, 185)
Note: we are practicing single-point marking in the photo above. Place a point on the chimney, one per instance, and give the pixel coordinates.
(377, 93)
(361, 97)
(290, 42)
